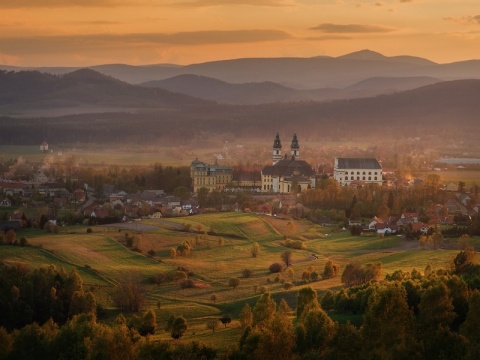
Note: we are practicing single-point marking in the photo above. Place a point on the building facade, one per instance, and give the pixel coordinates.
(287, 173)
(212, 177)
(357, 170)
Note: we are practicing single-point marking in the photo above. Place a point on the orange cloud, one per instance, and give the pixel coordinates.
(45, 44)
(207, 3)
(464, 20)
(351, 28)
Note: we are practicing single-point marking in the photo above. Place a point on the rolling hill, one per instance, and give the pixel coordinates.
(446, 109)
(82, 88)
(267, 92)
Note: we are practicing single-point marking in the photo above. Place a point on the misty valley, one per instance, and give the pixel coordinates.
(256, 208)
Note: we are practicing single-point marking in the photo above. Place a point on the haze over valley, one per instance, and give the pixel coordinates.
(239, 180)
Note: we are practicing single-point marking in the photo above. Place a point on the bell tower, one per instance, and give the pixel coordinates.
(277, 150)
(294, 148)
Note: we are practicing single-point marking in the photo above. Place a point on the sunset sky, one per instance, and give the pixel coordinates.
(90, 32)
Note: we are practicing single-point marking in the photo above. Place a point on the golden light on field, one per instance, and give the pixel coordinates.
(88, 32)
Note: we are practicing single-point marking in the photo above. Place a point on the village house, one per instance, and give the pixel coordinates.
(44, 146)
(12, 188)
(385, 229)
(451, 186)
(464, 199)
(288, 173)
(420, 227)
(40, 178)
(5, 203)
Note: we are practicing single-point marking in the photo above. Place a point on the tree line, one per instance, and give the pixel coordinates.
(414, 315)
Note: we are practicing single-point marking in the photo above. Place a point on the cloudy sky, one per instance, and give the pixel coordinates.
(89, 32)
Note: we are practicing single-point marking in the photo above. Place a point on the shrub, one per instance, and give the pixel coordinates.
(226, 320)
(10, 237)
(275, 268)
(247, 273)
(184, 249)
(187, 283)
(233, 282)
(287, 285)
(151, 252)
(128, 240)
(330, 270)
(295, 244)
(23, 241)
(262, 289)
(180, 275)
(277, 278)
(89, 230)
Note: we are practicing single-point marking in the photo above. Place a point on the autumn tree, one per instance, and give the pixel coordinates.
(246, 316)
(255, 250)
(277, 338)
(388, 330)
(464, 260)
(435, 308)
(471, 327)
(286, 257)
(148, 323)
(330, 270)
(233, 282)
(177, 325)
(225, 320)
(129, 294)
(314, 331)
(264, 311)
(306, 300)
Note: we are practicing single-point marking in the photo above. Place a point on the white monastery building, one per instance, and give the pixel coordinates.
(357, 170)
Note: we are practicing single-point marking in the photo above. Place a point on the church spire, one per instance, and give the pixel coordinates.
(277, 149)
(295, 148)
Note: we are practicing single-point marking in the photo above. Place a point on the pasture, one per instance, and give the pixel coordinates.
(221, 250)
(469, 177)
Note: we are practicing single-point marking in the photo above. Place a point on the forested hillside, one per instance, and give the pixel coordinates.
(444, 109)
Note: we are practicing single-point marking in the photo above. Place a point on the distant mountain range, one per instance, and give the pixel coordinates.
(265, 80)
(268, 92)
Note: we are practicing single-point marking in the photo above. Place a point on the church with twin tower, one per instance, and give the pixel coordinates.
(287, 173)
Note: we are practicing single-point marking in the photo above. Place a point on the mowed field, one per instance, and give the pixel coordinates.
(222, 251)
(469, 177)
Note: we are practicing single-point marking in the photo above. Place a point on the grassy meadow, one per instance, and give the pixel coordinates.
(102, 260)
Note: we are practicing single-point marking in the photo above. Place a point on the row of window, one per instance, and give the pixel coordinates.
(363, 173)
(358, 178)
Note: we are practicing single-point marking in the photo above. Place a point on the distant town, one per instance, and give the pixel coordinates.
(354, 191)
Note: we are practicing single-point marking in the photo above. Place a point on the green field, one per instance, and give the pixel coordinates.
(102, 261)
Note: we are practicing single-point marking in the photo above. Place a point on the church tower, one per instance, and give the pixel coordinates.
(277, 150)
(294, 148)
